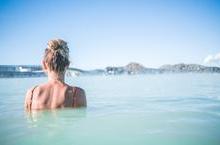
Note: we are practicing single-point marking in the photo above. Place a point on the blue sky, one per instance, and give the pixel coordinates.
(111, 33)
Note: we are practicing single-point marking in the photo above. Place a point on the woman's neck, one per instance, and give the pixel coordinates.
(53, 76)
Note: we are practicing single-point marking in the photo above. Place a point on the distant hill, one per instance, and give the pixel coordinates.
(136, 68)
(130, 69)
(184, 68)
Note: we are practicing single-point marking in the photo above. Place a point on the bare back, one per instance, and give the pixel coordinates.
(54, 95)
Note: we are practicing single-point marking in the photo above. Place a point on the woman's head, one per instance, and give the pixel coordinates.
(56, 56)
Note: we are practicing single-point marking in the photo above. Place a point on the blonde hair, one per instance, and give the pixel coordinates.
(57, 55)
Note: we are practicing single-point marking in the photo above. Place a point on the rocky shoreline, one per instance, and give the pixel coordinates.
(10, 71)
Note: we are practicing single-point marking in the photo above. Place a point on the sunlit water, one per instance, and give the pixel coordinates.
(173, 109)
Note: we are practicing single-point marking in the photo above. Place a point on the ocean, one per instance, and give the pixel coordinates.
(154, 109)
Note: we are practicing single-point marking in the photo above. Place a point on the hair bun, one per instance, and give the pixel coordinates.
(58, 46)
(57, 55)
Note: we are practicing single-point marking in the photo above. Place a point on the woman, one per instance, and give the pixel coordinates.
(55, 93)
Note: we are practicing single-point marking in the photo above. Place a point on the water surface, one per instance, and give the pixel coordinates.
(171, 109)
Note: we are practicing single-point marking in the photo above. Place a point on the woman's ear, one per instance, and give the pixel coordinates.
(44, 66)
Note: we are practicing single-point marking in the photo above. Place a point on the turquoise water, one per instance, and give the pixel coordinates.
(173, 109)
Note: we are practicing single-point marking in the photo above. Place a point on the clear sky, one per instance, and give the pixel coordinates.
(104, 33)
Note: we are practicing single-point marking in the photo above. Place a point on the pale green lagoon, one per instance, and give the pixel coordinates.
(163, 109)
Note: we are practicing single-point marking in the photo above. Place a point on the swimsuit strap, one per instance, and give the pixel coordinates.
(32, 94)
(74, 96)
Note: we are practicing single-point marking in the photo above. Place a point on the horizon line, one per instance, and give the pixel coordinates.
(207, 65)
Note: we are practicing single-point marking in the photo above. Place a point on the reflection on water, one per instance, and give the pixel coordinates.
(39, 117)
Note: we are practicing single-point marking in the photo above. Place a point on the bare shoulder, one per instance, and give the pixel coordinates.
(81, 97)
(80, 90)
(27, 101)
(29, 93)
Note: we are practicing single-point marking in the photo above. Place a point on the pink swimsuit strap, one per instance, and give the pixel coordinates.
(74, 96)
